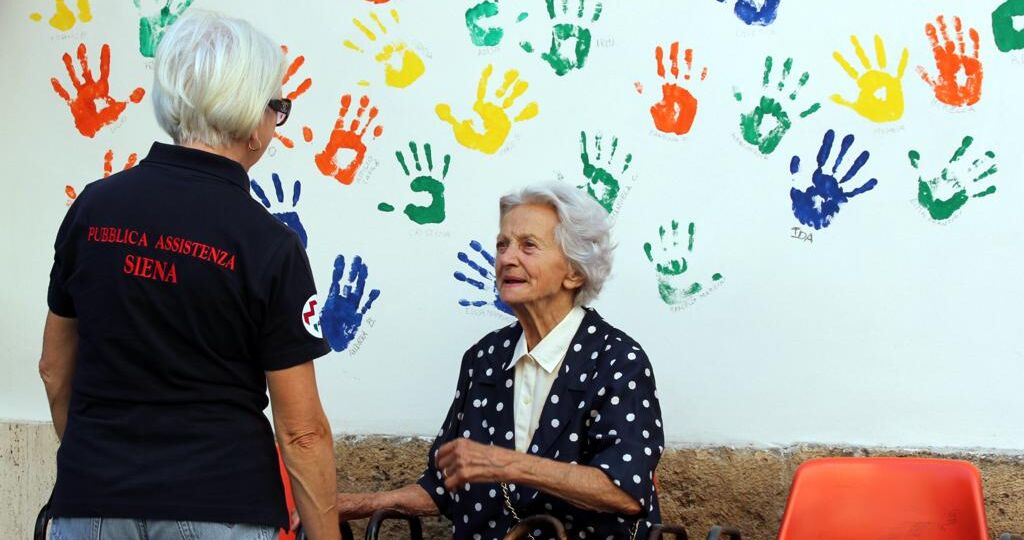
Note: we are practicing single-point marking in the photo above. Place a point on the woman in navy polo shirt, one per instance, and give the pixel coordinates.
(556, 414)
(176, 301)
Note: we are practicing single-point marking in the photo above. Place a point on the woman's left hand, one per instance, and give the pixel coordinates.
(463, 461)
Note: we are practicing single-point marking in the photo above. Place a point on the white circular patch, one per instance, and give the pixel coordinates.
(310, 317)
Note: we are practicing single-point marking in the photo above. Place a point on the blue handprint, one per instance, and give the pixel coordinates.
(750, 14)
(816, 205)
(290, 217)
(341, 316)
(485, 273)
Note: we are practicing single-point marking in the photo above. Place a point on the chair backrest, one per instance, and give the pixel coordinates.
(885, 498)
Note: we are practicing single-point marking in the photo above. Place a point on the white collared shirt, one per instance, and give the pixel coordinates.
(536, 372)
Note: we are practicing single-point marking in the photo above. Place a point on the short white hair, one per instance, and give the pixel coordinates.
(583, 231)
(213, 78)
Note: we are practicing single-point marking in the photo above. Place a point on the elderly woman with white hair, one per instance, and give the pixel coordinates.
(176, 301)
(556, 414)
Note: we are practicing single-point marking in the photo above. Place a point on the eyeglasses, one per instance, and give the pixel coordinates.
(283, 107)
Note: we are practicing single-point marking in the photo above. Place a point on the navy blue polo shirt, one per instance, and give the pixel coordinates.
(186, 292)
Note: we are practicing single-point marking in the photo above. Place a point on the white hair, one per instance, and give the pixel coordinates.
(213, 78)
(583, 231)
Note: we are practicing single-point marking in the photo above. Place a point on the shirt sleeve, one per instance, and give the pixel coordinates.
(626, 434)
(57, 296)
(432, 481)
(289, 333)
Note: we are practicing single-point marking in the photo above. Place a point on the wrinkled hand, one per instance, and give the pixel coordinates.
(463, 461)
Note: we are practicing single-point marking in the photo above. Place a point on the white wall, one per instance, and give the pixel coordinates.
(891, 328)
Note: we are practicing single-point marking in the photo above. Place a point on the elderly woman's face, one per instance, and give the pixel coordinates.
(530, 265)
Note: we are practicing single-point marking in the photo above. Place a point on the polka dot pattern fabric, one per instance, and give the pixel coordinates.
(602, 412)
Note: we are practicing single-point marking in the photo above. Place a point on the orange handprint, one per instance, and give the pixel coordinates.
(678, 107)
(348, 139)
(108, 169)
(299, 90)
(89, 119)
(950, 58)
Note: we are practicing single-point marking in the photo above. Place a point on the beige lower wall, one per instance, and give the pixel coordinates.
(700, 487)
(27, 472)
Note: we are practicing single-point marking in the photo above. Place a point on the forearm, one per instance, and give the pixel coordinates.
(309, 457)
(59, 399)
(580, 485)
(411, 500)
(57, 366)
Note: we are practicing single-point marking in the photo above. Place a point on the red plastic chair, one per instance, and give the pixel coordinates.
(882, 498)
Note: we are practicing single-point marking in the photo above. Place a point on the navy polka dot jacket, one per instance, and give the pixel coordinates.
(602, 411)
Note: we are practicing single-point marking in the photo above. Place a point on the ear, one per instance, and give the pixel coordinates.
(574, 280)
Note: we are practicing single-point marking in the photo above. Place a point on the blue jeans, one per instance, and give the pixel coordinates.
(145, 529)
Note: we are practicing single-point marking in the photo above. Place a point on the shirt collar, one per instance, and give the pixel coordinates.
(211, 165)
(551, 350)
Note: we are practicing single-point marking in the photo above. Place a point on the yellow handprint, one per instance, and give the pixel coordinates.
(889, 106)
(63, 18)
(411, 65)
(496, 123)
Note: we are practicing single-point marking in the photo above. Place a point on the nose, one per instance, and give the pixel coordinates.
(506, 258)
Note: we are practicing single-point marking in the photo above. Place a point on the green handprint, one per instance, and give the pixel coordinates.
(752, 123)
(603, 186)
(423, 183)
(945, 194)
(485, 36)
(672, 282)
(1008, 37)
(570, 40)
(153, 27)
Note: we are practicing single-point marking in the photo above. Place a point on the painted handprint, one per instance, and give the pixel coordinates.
(756, 12)
(570, 36)
(494, 120)
(1007, 36)
(342, 315)
(670, 265)
(91, 94)
(424, 182)
(303, 86)
(952, 59)
(481, 21)
(772, 106)
(678, 107)
(818, 204)
(286, 215)
(874, 81)
(350, 139)
(603, 180)
(63, 18)
(156, 17)
(402, 65)
(480, 278)
(948, 192)
(108, 169)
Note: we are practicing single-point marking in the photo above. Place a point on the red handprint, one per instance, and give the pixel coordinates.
(950, 58)
(678, 107)
(349, 139)
(89, 119)
(299, 90)
(108, 169)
